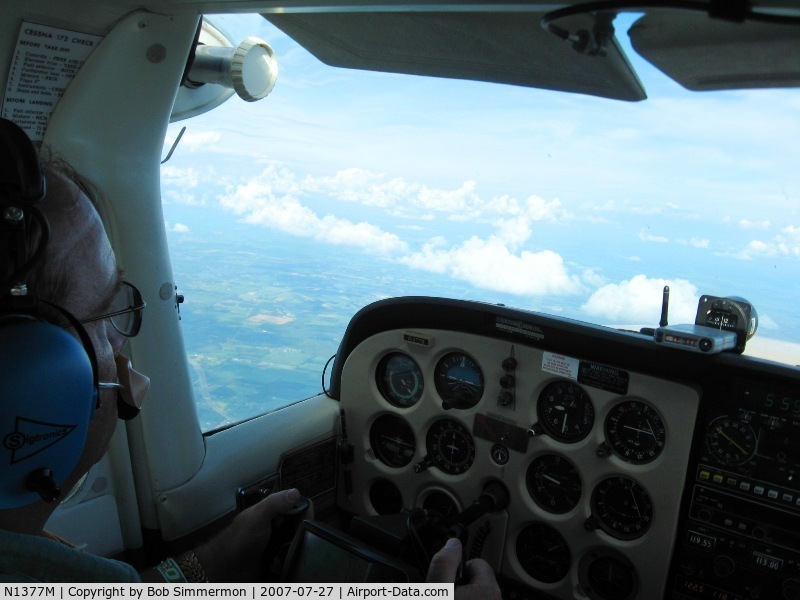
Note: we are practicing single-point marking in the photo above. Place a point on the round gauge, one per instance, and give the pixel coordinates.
(441, 504)
(450, 446)
(392, 440)
(565, 411)
(622, 508)
(543, 553)
(635, 432)
(731, 441)
(553, 483)
(400, 380)
(458, 380)
(604, 574)
(385, 497)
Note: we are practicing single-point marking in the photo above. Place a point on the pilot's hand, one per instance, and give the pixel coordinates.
(481, 583)
(236, 553)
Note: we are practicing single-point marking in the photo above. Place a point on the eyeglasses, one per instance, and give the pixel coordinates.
(126, 316)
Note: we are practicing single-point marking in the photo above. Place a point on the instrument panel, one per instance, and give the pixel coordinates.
(593, 455)
(634, 471)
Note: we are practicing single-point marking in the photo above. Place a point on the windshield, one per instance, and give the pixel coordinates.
(342, 187)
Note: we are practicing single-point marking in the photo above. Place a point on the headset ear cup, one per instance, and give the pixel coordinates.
(48, 396)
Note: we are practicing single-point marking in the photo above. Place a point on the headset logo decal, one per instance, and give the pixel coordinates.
(31, 437)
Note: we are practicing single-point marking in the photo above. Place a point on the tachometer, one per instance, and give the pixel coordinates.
(400, 380)
(635, 431)
(565, 411)
(554, 483)
(459, 381)
(450, 446)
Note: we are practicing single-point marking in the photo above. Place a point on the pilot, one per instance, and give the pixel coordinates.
(79, 273)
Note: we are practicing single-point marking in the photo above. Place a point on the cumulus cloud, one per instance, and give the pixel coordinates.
(786, 243)
(180, 185)
(638, 301)
(490, 264)
(179, 228)
(177, 176)
(404, 198)
(270, 201)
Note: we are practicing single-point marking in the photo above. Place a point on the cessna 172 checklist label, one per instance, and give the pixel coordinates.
(44, 63)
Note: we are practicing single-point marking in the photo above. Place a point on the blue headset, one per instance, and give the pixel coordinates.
(48, 378)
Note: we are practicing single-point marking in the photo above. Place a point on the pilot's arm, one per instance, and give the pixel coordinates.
(236, 553)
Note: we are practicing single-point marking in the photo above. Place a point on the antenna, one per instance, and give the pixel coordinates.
(664, 307)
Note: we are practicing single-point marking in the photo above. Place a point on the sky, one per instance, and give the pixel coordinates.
(564, 203)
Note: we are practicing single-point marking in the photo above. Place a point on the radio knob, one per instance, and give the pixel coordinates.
(791, 589)
(507, 381)
(724, 566)
(505, 398)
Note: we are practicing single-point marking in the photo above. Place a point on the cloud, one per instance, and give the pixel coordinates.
(269, 200)
(179, 228)
(638, 301)
(179, 184)
(198, 140)
(695, 242)
(490, 264)
(747, 224)
(404, 198)
(785, 244)
(649, 237)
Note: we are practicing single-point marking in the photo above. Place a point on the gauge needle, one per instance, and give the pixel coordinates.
(551, 478)
(639, 430)
(564, 426)
(635, 504)
(730, 439)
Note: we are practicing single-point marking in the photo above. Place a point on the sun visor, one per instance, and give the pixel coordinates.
(509, 48)
(705, 54)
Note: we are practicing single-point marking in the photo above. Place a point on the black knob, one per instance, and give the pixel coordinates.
(791, 589)
(507, 381)
(505, 398)
(509, 364)
(724, 566)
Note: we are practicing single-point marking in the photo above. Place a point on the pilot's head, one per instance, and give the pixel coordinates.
(78, 273)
